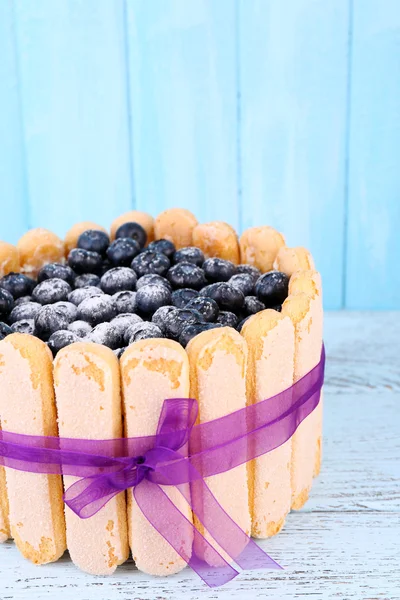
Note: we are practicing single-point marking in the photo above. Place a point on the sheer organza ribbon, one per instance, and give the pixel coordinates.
(180, 453)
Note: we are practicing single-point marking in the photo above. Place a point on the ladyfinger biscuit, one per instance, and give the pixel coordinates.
(217, 239)
(9, 259)
(72, 235)
(306, 316)
(270, 339)
(175, 225)
(153, 370)
(27, 407)
(259, 247)
(87, 386)
(218, 364)
(134, 216)
(39, 247)
(289, 260)
(4, 508)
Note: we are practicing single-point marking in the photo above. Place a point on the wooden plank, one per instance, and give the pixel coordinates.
(183, 106)
(15, 217)
(373, 241)
(74, 102)
(293, 86)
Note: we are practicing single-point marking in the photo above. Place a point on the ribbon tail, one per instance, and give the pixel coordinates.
(89, 495)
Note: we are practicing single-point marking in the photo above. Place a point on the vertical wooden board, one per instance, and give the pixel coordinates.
(13, 200)
(373, 243)
(293, 86)
(74, 101)
(183, 106)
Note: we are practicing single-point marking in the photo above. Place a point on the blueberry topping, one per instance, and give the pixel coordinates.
(97, 309)
(249, 270)
(241, 323)
(125, 302)
(60, 339)
(133, 231)
(48, 320)
(95, 241)
(69, 309)
(226, 296)
(272, 288)
(22, 300)
(122, 251)
(180, 298)
(243, 282)
(253, 305)
(84, 261)
(160, 315)
(190, 331)
(80, 328)
(151, 297)
(278, 307)
(118, 280)
(186, 275)
(24, 326)
(5, 330)
(206, 306)
(6, 303)
(56, 271)
(176, 320)
(119, 352)
(28, 310)
(164, 246)
(218, 269)
(17, 284)
(87, 279)
(122, 322)
(227, 319)
(143, 331)
(152, 278)
(80, 294)
(105, 334)
(51, 291)
(190, 254)
(106, 266)
(150, 262)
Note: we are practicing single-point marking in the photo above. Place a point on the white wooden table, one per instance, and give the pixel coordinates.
(345, 544)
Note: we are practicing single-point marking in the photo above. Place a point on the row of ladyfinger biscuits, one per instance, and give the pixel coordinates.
(259, 246)
(221, 368)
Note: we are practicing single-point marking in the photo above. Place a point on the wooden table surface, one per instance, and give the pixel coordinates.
(345, 544)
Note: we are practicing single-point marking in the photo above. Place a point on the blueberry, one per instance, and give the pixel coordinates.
(249, 270)
(119, 352)
(176, 320)
(150, 262)
(272, 288)
(6, 303)
(227, 297)
(123, 321)
(125, 302)
(28, 310)
(151, 297)
(186, 275)
(60, 339)
(97, 309)
(87, 279)
(105, 334)
(56, 271)
(180, 298)
(206, 306)
(95, 241)
(164, 246)
(69, 309)
(80, 294)
(84, 261)
(5, 330)
(24, 326)
(143, 331)
(253, 305)
(190, 254)
(122, 251)
(218, 269)
(190, 331)
(22, 300)
(17, 284)
(118, 279)
(80, 328)
(106, 266)
(48, 320)
(227, 319)
(278, 307)
(241, 323)
(152, 278)
(51, 291)
(243, 282)
(133, 231)
(160, 315)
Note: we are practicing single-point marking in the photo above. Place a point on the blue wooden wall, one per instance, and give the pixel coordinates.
(252, 111)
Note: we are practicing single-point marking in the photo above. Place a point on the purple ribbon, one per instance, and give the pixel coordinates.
(180, 453)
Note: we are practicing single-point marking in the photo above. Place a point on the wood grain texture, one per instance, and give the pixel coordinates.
(345, 544)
